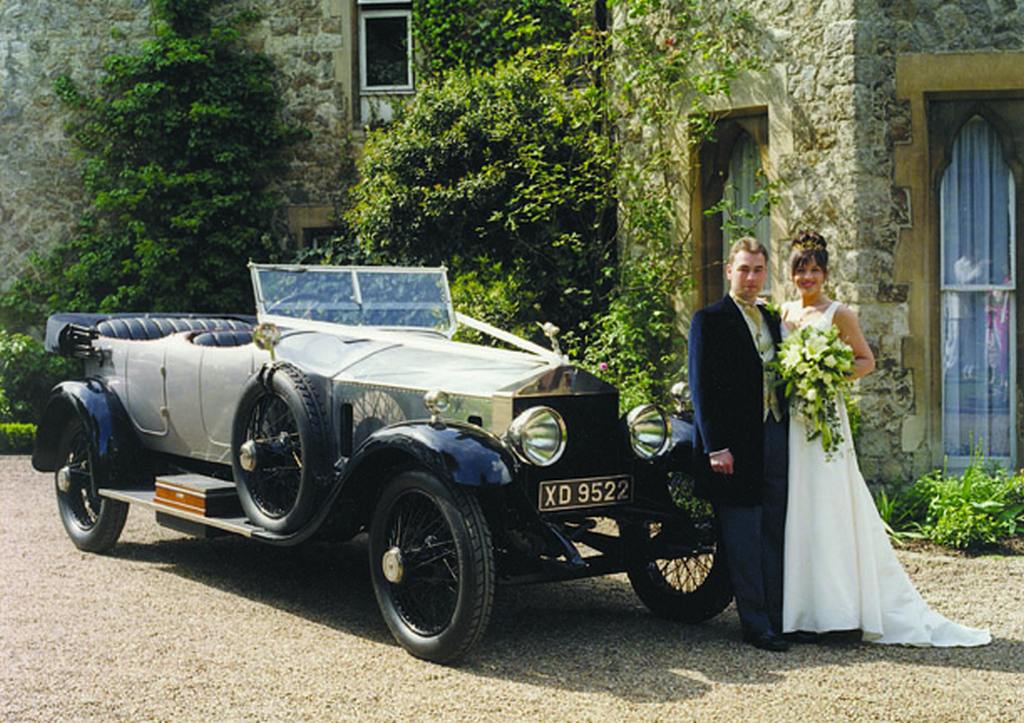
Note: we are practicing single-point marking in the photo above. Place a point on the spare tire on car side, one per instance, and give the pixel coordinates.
(281, 419)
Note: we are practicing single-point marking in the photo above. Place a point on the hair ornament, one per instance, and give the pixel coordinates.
(810, 241)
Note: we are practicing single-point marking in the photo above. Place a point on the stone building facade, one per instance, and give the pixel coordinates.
(859, 117)
(313, 44)
(856, 117)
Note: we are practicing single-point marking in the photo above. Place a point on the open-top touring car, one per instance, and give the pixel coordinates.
(344, 406)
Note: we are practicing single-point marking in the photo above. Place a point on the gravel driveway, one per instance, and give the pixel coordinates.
(173, 628)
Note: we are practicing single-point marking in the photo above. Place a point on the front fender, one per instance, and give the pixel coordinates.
(114, 450)
(463, 454)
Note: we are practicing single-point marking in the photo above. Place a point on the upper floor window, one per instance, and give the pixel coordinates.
(385, 56)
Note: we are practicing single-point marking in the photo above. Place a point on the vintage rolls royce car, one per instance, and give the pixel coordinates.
(345, 406)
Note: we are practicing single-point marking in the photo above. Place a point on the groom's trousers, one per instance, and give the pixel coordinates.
(753, 536)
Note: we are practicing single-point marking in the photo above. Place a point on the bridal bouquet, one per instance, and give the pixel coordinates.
(814, 364)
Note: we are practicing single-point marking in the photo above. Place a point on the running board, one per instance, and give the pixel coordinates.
(146, 498)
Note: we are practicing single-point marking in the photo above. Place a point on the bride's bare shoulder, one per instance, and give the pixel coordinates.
(788, 308)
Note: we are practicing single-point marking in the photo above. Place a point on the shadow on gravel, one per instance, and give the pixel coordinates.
(582, 636)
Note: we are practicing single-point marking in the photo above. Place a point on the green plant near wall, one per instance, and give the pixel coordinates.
(502, 169)
(670, 61)
(981, 506)
(478, 34)
(27, 374)
(179, 147)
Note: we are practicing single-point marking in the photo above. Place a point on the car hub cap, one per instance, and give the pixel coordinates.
(422, 548)
(64, 479)
(392, 564)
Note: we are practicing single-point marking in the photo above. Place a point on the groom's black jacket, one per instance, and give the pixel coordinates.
(726, 381)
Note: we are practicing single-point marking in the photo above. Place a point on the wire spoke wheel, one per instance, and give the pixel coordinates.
(432, 565)
(275, 487)
(281, 421)
(428, 593)
(691, 587)
(93, 523)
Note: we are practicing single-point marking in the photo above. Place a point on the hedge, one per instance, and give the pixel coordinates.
(16, 438)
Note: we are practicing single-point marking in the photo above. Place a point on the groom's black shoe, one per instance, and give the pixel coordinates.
(801, 636)
(767, 640)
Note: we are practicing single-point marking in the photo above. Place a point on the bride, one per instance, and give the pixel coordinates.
(840, 572)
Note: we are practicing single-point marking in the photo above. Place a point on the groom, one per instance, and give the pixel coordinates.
(741, 439)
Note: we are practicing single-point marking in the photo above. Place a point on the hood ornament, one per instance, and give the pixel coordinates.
(551, 332)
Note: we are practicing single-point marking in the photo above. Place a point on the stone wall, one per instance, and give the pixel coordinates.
(40, 193)
(832, 82)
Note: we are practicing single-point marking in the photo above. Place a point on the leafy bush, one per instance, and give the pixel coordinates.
(27, 374)
(493, 294)
(16, 438)
(180, 144)
(979, 507)
(481, 33)
(497, 169)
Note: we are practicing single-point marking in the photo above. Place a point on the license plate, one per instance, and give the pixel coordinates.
(569, 494)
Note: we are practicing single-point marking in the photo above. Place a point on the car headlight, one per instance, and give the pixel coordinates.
(649, 431)
(537, 436)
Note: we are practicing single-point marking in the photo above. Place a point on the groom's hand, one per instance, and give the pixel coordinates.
(721, 461)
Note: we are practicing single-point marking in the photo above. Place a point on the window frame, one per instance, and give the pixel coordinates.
(405, 11)
(711, 169)
(948, 115)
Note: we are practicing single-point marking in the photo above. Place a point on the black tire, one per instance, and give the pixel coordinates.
(92, 522)
(280, 405)
(687, 589)
(440, 606)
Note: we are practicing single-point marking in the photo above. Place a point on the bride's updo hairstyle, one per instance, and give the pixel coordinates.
(806, 246)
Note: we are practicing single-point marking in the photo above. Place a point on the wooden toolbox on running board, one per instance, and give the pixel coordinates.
(201, 495)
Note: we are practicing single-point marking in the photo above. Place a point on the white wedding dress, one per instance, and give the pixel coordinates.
(840, 572)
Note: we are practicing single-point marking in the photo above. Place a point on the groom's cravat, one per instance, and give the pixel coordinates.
(765, 345)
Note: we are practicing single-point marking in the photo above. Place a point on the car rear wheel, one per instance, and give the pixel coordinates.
(93, 523)
(432, 565)
(689, 588)
(280, 431)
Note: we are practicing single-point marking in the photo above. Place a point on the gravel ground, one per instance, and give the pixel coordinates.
(173, 628)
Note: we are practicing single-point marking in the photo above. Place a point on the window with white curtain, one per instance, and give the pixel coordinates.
(746, 211)
(978, 269)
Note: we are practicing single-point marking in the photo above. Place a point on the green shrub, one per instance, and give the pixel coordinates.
(505, 169)
(480, 33)
(16, 438)
(180, 145)
(979, 507)
(27, 374)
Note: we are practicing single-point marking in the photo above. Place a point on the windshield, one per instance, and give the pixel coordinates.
(356, 296)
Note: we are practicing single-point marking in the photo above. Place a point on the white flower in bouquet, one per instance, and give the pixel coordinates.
(814, 365)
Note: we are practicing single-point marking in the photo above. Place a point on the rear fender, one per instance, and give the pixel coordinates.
(115, 454)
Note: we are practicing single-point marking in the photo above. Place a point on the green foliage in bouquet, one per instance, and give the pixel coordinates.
(814, 366)
(180, 145)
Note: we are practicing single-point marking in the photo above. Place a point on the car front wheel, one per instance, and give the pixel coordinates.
(432, 565)
(92, 522)
(689, 587)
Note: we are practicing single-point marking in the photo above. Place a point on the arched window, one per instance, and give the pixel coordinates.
(745, 211)
(978, 275)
